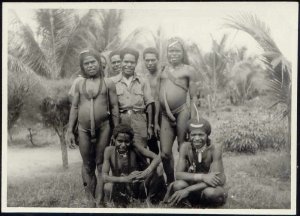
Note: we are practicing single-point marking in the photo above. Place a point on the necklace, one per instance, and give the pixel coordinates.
(199, 152)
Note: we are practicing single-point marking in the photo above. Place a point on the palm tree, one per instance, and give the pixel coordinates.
(245, 76)
(61, 35)
(278, 67)
(211, 68)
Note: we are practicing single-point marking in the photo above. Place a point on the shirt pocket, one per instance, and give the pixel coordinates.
(138, 96)
(121, 96)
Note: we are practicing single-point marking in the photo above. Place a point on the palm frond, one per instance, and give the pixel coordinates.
(23, 44)
(66, 45)
(279, 69)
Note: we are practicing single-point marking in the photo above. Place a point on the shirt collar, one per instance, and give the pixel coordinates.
(135, 77)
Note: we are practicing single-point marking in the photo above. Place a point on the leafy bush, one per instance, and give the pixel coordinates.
(250, 133)
(18, 91)
(55, 109)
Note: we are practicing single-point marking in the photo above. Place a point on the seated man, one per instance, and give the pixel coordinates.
(131, 177)
(200, 174)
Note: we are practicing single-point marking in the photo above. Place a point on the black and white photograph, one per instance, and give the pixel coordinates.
(153, 107)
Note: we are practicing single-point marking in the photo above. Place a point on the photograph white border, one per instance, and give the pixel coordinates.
(135, 5)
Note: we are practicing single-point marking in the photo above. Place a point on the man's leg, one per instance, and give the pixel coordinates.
(120, 194)
(102, 142)
(181, 125)
(167, 137)
(139, 126)
(108, 191)
(214, 196)
(153, 145)
(88, 167)
(156, 187)
(177, 186)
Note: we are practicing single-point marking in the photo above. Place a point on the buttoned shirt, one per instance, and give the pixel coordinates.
(136, 96)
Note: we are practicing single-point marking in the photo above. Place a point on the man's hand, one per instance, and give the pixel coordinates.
(145, 174)
(131, 177)
(157, 131)
(150, 132)
(71, 139)
(212, 179)
(178, 196)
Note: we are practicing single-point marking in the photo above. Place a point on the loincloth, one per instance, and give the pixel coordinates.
(175, 112)
(88, 130)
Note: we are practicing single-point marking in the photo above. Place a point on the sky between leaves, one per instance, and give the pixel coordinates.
(197, 22)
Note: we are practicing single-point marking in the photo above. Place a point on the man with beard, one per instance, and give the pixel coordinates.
(134, 96)
(132, 177)
(200, 173)
(94, 104)
(115, 62)
(151, 58)
(176, 84)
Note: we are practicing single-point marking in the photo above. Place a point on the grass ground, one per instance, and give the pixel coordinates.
(36, 178)
(253, 181)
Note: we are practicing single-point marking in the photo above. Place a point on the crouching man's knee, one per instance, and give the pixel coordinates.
(166, 156)
(214, 196)
(107, 191)
(179, 185)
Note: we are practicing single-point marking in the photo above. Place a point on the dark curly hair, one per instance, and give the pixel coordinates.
(151, 50)
(86, 53)
(123, 128)
(112, 53)
(129, 51)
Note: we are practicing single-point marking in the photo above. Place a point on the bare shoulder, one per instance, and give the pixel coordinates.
(109, 150)
(185, 147)
(189, 68)
(216, 150)
(110, 84)
(79, 83)
(116, 78)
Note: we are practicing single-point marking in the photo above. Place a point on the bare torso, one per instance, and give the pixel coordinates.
(121, 165)
(207, 159)
(153, 83)
(176, 96)
(100, 103)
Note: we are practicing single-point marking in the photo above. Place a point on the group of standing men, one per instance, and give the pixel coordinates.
(121, 116)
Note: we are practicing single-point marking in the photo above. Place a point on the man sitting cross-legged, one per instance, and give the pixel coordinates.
(131, 177)
(200, 174)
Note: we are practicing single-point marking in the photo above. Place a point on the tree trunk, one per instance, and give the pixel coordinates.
(209, 104)
(64, 151)
(10, 136)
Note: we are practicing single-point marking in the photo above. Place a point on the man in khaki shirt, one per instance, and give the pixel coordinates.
(134, 97)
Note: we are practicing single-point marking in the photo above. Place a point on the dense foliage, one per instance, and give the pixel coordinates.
(248, 134)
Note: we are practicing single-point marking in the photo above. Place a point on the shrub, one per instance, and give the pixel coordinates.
(18, 91)
(55, 109)
(249, 134)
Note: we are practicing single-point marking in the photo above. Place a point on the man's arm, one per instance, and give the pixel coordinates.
(156, 159)
(114, 106)
(181, 173)
(106, 168)
(157, 107)
(217, 164)
(148, 99)
(212, 178)
(150, 117)
(73, 117)
(192, 90)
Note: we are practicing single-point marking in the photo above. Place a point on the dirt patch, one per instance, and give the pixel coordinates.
(32, 162)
